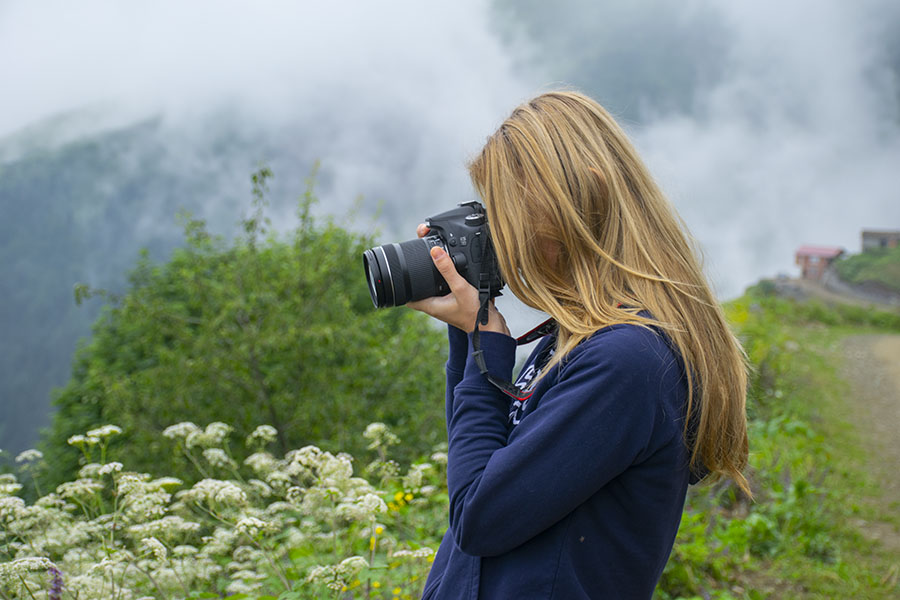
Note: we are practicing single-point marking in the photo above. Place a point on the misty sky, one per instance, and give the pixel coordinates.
(770, 124)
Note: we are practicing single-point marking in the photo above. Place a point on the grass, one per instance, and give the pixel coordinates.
(859, 568)
(881, 265)
(802, 535)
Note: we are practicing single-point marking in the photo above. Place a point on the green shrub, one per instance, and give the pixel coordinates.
(264, 327)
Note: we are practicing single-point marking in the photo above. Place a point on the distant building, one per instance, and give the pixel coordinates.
(813, 260)
(879, 239)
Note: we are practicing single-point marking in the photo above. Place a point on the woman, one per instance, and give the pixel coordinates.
(575, 489)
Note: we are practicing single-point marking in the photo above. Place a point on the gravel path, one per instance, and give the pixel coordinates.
(872, 367)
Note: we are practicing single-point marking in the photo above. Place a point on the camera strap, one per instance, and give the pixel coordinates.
(545, 328)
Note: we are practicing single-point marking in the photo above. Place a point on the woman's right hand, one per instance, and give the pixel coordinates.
(460, 307)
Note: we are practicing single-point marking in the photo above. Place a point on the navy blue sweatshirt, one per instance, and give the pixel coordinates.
(578, 491)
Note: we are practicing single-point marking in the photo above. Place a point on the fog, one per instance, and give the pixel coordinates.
(770, 124)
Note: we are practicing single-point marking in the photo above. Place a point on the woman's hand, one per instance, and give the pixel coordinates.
(460, 307)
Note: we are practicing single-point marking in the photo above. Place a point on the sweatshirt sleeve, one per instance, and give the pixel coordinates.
(456, 362)
(591, 424)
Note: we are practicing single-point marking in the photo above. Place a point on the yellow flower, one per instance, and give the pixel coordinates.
(372, 543)
(398, 496)
(397, 591)
(408, 497)
(379, 530)
(376, 584)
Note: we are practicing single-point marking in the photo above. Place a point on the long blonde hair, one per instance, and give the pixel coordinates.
(560, 173)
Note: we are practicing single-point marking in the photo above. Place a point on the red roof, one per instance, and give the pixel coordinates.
(823, 251)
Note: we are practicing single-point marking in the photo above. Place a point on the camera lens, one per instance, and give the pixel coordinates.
(404, 272)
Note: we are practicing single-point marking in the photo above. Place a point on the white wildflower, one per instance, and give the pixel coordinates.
(131, 483)
(90, 471)
(381, 436)
(168, 528)
(184, 550)
(260, 487)
(165, 577)
(277, 508)
(219, 543)
(8, 489)
(295, 494)
(264, 434)
(217, 432)
(156, 547)
(439, 457)
(180, 431)
(86, 586)
(253, 527)
(50, 501)
(353, 565)
(29, 564)
(11, 507)
(279, 480)
(383, 469)
(212, 436)
(217, 458)
(307, 456)
(363, 508)
(164, 482)
(215, 491)
(248, 575)
(105, 431)
(29, 456)
(336, 468)
(76, 440)
(414, 554)
(415, 476)
(336, 577)
(239, 586)
(372, 503)
(261, 462)
(110, 468)
(79, 488)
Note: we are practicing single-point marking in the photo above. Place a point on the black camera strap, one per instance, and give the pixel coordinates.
(545, 328)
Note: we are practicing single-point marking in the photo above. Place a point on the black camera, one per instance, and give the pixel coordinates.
(404, 272)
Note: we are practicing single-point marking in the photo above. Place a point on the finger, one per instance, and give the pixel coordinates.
(444, 264)
(422, 230)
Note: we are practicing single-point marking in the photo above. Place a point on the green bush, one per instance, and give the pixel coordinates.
(271, 328)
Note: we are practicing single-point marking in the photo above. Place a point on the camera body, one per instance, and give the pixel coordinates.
(403, 272)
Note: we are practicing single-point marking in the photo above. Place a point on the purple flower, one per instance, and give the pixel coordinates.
(56, 583)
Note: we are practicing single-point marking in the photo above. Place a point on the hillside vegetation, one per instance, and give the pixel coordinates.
(880, 266)
(263, 329)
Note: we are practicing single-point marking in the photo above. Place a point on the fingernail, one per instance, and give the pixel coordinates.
(437, 253)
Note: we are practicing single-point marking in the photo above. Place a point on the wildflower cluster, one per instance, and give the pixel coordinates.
(300, 525)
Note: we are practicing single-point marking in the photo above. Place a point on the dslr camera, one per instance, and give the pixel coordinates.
(403, 272)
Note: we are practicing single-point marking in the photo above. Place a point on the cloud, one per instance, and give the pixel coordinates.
(797, 143)
(770, 124)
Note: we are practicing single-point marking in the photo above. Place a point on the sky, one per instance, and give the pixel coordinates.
(770, 124)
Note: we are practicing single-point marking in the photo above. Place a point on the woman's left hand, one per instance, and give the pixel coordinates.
(460, 307)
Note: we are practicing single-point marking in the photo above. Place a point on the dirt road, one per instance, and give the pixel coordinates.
(872, 367)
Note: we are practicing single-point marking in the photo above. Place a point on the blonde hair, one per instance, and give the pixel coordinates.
(560, 173)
